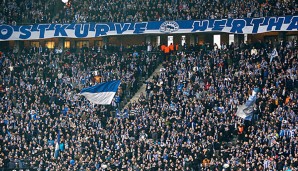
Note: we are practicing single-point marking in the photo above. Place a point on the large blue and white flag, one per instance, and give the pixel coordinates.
(101, 93)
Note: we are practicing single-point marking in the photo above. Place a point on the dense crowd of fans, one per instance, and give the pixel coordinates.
(184, 121)
(39, 95)
(54, 11)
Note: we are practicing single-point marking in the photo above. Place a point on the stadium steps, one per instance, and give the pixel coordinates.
(143, 87)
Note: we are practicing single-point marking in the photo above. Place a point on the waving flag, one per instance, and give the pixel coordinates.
(245, 111)
(101, 93)
(273, 54)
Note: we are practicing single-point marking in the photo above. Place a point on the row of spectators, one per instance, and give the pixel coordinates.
(184, 121)
(41, 11)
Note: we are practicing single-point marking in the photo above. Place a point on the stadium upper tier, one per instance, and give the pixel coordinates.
(55, 11)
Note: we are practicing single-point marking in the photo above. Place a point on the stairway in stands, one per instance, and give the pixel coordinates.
(143, 87)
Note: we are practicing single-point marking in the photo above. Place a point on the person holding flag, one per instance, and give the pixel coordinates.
(273, 54)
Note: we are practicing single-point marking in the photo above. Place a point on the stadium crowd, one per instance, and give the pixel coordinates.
(76, 11)
(39, 95)
(184, 121)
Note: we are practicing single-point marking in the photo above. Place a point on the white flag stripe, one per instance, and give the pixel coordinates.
(100, 98)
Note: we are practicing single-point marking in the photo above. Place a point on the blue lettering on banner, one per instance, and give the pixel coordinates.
(5, 32)
(200, 25)
(89, 30)
(140, 28)
(60, 29)
(219, 25)
(42, 28)
(78, 30)
(101, 30)
(238, 25)
(256, 24)
(120, 29)
(272, 22)
(25, 32)
(294, 24)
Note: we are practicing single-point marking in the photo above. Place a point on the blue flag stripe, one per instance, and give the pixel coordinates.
(111, 86)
